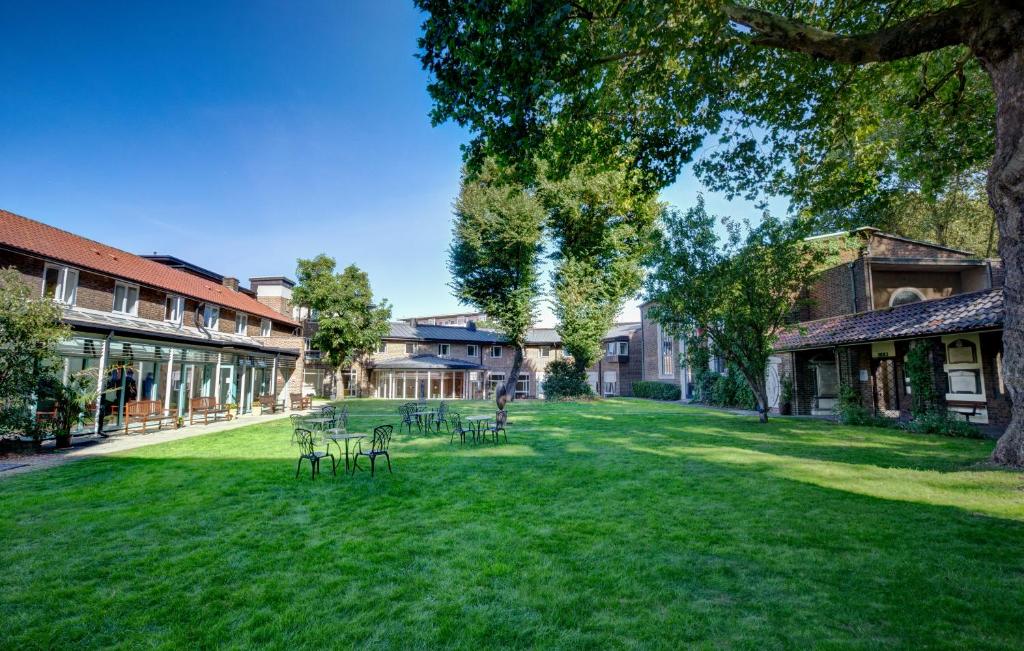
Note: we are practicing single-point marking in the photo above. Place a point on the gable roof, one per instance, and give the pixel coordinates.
(52, 243)
(403, 330)
(961, 313)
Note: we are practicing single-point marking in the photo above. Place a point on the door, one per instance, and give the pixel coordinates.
(772, 382)
(185, 388)
(227, 384)
(887, 402)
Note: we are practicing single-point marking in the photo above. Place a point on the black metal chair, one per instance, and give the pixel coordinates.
(500, 420)
(342, 418)
(307, 450)
(297, 424)
(379, 445)
(440, 417)
(456, 428)
(406, 411)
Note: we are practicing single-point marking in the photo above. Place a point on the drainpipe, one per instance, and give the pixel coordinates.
(988, 269)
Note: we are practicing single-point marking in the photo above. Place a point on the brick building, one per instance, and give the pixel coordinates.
(885, 294)
(154, 329)
(464, 362)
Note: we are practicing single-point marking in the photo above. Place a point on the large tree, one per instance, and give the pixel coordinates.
(602, 228)
(832, 103)
(30, 330)
(350, 323)
(740, 292)
(494, 258)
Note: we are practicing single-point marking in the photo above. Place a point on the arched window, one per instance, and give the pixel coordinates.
(904, 296)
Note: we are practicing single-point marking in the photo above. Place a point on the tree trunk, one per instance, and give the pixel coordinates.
(510, 381)
(1006, 196)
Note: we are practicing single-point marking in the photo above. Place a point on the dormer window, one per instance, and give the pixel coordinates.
(174, 308)
(60, 284)
(905, 296)
(444, 350)
(241, 323)
(265, 326)
(126, 298)
(211, 316)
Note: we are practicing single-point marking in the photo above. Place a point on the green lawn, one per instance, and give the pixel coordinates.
(620, 524)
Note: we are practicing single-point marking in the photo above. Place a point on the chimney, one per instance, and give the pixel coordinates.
(471, 325)
(230, 282)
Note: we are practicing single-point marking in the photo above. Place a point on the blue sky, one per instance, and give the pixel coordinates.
(238, 136)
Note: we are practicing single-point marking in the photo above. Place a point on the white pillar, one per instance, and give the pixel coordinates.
(273, 378)
(104, 351)
(241, 392)
(391, 381)
(170, 382)
(427, 390)
(216, 381)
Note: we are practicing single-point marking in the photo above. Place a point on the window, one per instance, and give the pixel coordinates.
(174, 309)
(611, 383)
(472, 350)
(126, 298)
(545, 351)
(523, 386)
(905, 296)
(410, 349)
(495, 351)
(241, 323)
(618, 348)
(211, 317)
(493, 380)
(382, 347)
(443, 350)
(826, 380)
(666, 359)
(60, 284)
(265, 327)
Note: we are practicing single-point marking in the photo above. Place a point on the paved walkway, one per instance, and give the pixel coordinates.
(86, 447)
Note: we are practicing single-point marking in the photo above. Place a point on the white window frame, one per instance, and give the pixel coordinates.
(545, 351)
(128, 287)
(492, 355)
(382, 347)
(177, 307)
(661, 355)
(410, 348)
(266, 327)
(444, 350)
(472, 350)
(493, 380)
(241, 323)
(214, 310)
(898, 291)
(524, 380)
(64, 276)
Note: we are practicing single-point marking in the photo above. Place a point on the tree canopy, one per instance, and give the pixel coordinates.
(349, 322)
(739, 292)
(494, 258)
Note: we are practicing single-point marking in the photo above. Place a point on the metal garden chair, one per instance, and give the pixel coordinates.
(307, 450)
(456, 428)
(379, 445)
(406, 411)
(440, 417)
(500, 420)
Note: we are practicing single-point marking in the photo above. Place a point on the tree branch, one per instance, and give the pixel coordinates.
(924, 33)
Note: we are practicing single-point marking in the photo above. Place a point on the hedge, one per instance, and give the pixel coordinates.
(656, 390)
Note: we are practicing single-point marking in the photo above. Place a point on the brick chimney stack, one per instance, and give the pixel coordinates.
(231, 283)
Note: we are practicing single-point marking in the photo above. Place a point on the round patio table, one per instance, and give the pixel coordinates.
(419, 417)
(319, 421)
(477, 424)
(338, 436)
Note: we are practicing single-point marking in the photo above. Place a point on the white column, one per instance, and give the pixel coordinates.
(104, 351)
(241, 392)
(170, 382)
(391, 380)
(427, 390)
(67, 371)
(273, 378)
(216, 381)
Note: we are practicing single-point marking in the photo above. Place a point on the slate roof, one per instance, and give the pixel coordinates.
(543, 336)
(407, 331)
(961, 313)
(105, 322)
(621, 331)
(45, 241)
(424, 362)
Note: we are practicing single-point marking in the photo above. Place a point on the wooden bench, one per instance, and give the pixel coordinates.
(206, 407)
(271, 404)
(147, 411)
(301, 402)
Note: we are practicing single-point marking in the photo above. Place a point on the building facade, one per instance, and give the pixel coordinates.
(143, 329)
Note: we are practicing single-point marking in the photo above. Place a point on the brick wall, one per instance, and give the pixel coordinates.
(649, 368)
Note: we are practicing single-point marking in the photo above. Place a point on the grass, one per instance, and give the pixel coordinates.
(619, 524)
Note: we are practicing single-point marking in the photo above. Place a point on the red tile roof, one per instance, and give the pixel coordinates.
(961, 313)
(34, 237)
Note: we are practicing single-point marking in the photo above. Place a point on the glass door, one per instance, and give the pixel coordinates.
(227, 384)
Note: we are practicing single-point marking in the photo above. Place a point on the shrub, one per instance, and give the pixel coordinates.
(729, 390)
(851, 412)
(565, 381)
(656, 390)
(918, 369)
(940, 421)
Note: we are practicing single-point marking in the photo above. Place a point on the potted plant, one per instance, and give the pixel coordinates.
(786, 402)
(71, 403)
(180, 422)
(232, 407)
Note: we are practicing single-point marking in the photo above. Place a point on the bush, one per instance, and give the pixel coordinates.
(565, 381)
(940, 421)
(731, 390)
(851, 412)
(656, 390)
